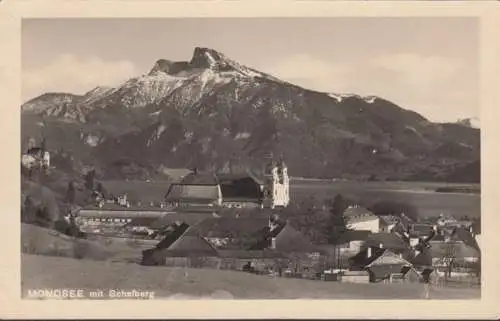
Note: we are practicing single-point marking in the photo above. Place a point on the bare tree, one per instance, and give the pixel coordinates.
(449, 258)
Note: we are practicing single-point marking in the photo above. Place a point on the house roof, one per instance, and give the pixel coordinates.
(361, 259)
(191, 244)
(137, 190)
(288, 239)
(199, 179)
(246, 254)
(227, 178)
(381, 263)
(457, 250)
(193, 193)
(190, 218)
(221, 227)
(462, 234)
(421, 229)
(350, 236)
(388, 257)
(359, 219)
(252, 234)
(389, 241)
(389, 219)
(173, 236)
(355, 211)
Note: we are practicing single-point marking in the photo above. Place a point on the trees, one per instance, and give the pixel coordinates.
(89, 179)
(28, 210)
(336, 224)
(308, 217)
(70, 193)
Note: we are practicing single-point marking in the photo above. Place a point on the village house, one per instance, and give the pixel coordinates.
(383, 265)
(388, 223)
(359, 218)
(36, 157)
(351, 242)
(449, 254)
(238, 243)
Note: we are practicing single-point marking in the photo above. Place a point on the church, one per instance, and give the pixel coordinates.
(242, 189)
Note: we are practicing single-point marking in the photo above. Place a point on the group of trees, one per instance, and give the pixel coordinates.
(322, 221)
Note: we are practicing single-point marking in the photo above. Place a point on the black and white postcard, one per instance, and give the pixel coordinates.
(340, 155)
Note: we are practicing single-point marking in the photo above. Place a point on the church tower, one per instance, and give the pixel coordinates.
(276, 184)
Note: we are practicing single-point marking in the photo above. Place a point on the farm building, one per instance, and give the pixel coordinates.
(235, 243)
(383, 264)
(245, 189)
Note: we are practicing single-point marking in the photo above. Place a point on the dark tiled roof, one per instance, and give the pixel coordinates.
(361, 259)
(230, 226)
(288, 240)
(389, 241)
(173, 236)
(462, 234)
(247, 174)
(191, 244)
(199, 179)
(192, 193)
(350, 236)
(245, 254)
(137, 190)
(190, 218)
(421, 229)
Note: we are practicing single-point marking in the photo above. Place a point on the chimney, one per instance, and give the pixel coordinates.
(369, 252)
(381, 245)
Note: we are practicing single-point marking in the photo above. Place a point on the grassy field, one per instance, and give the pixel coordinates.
(42, 272)
(422, 195)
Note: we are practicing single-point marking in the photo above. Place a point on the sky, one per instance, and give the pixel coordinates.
(426, 64)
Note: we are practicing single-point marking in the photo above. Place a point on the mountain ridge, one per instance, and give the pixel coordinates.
(201, 112)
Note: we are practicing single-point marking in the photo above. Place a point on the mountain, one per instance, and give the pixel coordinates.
(469, 122)
(211, 109)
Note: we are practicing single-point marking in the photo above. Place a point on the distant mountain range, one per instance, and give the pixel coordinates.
(209, 110)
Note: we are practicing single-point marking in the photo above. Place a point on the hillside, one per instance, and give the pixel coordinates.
(177, 283)
(203, 112)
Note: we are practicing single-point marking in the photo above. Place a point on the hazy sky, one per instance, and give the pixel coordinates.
(429, 65)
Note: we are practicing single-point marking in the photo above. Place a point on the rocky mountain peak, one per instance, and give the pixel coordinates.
(206, 58)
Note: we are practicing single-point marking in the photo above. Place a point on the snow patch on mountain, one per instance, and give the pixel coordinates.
(340, 97)
(97, 93)
(243, 135)
(472, 122)
(148, 89)
(156, 134)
